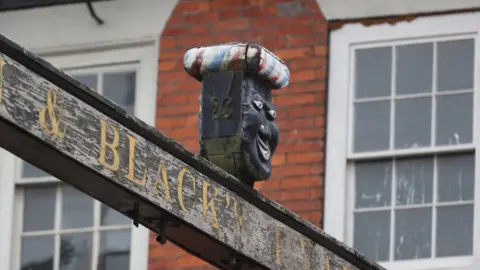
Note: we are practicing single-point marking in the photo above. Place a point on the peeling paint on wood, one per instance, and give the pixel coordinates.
(84, 139)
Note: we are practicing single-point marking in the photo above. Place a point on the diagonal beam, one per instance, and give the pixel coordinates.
(61, 126)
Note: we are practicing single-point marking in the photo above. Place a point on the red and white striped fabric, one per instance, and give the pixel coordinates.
(249, 57)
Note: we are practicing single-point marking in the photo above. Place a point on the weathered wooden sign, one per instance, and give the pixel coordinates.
(80, 137)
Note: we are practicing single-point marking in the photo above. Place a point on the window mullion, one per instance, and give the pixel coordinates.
(392, 146)
(434, 209)
(392, 99)
(100, 83)
(58, 219)
(17, 230)
(392, 213)
(433, 138)
(96, 234)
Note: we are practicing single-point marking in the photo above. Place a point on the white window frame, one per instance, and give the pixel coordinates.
(145, 54)
(347, 9)
(338, 193)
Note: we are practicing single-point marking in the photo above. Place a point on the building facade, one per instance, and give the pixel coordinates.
(377, 142)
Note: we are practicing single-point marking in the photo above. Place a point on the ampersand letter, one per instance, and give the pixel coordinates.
(54, 122)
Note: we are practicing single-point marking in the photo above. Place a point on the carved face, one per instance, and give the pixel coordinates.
(259, 133)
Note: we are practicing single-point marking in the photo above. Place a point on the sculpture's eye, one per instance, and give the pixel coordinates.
(271, 115)
(258, 104)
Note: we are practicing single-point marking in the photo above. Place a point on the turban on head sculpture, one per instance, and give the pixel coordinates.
(237, 127)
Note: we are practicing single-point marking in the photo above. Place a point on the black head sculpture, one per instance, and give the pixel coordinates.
(237, 129)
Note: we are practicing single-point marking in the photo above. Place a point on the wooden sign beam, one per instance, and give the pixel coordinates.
(59, 125)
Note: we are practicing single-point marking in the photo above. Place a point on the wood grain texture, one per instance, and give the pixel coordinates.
(86, 140)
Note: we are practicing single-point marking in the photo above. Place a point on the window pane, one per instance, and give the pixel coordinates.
(414, 181)
(372, 126)
(76, 251)
(30, 171)
(373, 182)
(413, 122)
(454, 230)
(120, 88)
(39, 212)
(373, 71)
(77, 209)
(114, 250)
(413, 233)
(37, 253)
(455, 64)
(88, 80)
(414, 68)
(456, 176)
(454, 119)
(372, 234)
(111, 216)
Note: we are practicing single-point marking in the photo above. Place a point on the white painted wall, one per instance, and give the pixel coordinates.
(353, 9)
(71, 26)
(68, 36)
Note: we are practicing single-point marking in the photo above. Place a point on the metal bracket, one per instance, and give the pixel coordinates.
(160, 224)
(236, 263)
(135, 213)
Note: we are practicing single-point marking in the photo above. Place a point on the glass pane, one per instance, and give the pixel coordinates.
(120, 88)
(413, 233)
(455, 64)
(414, 181)
(76, 251)
(37, 253)
(372, 234)
(454, 230)
(373, 72)
(39, 212)
(373, 182)
(88, 80)
(77, 209)
(454, 119)
(414, 68)
(114, 250)
(456, 176)
(30, 171)
(372, 126)
(111, 216)
(413, 122)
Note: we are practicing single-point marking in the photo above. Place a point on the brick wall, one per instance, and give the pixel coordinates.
(295, 31)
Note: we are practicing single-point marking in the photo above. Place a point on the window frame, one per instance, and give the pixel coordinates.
(144, 54)
(338, 190)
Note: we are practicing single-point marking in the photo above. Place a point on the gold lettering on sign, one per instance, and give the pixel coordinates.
(210, 204)
(54, 122)
(181, 175)
(131, 163)
(302, 246)
(162, 174)
(327, 263)
(227, 200)
(2, 63)
(113, 147)
(237, 216)
(277, 245)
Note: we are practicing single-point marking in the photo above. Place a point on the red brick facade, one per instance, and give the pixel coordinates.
(296, 31)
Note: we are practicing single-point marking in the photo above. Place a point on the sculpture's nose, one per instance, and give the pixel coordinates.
(264, 133)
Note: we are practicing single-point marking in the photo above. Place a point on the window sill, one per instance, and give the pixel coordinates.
(457, 263)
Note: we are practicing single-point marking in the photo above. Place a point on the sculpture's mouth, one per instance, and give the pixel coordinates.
(264, 149)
